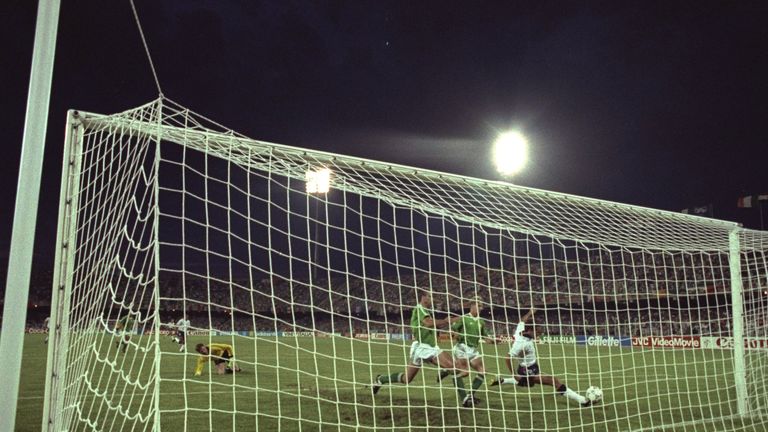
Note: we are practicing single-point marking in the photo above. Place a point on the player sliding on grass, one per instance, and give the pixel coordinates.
(469, 330)
(222, 356)
(424, 349)
(528, 373)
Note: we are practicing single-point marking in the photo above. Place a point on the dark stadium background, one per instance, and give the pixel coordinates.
(657, 104)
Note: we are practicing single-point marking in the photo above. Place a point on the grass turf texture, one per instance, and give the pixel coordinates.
(319, 384)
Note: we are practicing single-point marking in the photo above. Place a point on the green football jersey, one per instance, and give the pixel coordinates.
(420, 332)
(470, 330)
(126, 321)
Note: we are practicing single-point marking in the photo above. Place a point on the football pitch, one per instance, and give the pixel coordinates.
(319, 384)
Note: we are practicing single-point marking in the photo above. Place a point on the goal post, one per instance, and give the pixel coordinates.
(101, 186)
(63, 266)
(737, 304)
(754, 323)
(300, 272)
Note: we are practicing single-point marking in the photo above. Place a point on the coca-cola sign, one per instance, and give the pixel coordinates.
(725, 342)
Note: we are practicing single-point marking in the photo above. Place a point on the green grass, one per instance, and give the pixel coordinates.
(318, 384)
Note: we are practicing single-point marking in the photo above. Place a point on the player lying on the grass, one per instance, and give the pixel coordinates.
(124, 327)
(424, 347)
(468, 331)
(222, 356)
(528, 373)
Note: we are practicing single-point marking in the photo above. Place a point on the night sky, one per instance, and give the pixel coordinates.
(662, 104)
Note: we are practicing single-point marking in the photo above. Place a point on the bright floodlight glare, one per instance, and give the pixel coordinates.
(510, 152)
(318, 181)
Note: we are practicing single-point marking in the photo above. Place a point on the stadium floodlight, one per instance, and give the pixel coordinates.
(318, 181)
(510, 152)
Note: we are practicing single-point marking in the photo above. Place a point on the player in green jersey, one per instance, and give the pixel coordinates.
(424, 347)
(124, 327)
(468, 331)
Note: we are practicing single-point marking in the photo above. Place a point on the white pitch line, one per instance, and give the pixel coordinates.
(218, 392)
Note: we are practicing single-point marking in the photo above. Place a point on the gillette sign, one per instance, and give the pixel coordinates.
(608, 341)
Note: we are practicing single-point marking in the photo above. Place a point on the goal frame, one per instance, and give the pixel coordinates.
(66, 239)
(63, 267)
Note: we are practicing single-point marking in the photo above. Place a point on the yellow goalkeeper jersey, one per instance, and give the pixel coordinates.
(214, 350)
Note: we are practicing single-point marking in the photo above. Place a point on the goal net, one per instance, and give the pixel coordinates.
(305, 271)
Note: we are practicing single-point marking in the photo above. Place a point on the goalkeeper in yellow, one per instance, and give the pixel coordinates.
(222, 356)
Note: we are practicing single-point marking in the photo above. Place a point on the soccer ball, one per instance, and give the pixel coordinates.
(594, 394)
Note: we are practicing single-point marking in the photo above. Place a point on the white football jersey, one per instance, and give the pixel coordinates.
(182, 324)
(523, 347)
(519, 329)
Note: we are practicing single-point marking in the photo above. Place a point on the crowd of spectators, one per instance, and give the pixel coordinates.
(619, 293)
(607, 277)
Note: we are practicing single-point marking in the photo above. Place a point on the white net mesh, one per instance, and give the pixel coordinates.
(312, 294)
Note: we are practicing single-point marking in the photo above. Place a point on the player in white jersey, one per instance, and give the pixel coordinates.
(528, 373)
(47, 327)
(182, 325)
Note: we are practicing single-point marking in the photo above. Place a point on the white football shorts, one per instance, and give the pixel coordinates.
(421, 351)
